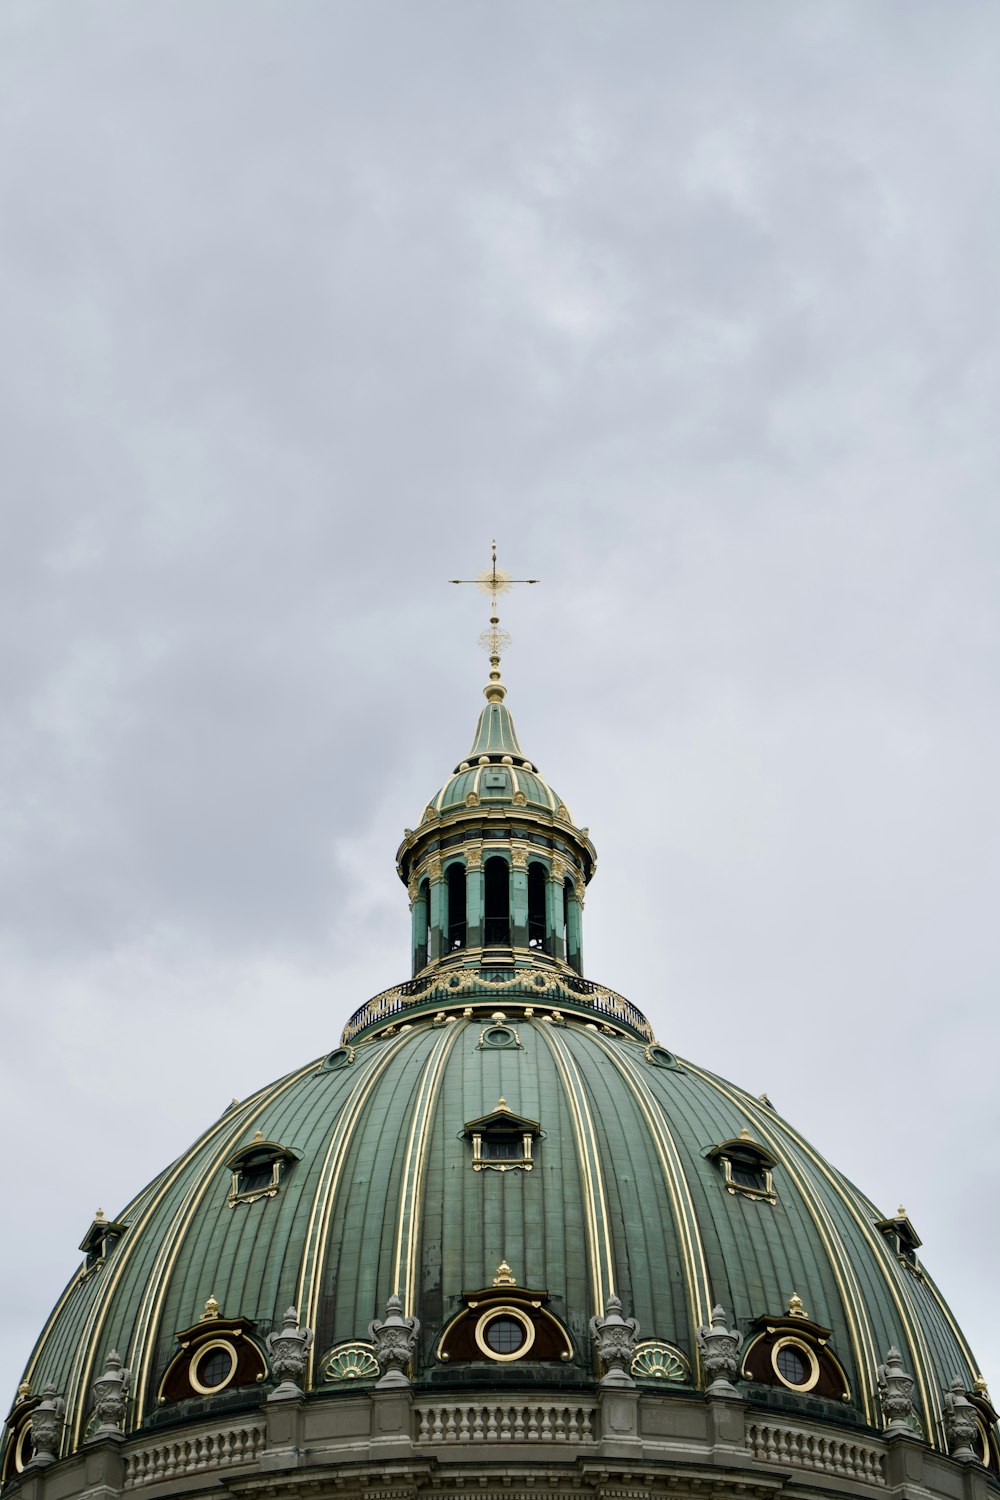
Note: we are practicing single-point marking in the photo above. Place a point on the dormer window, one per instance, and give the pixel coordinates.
(502, 1141)
(792, 1352)
(99, 1240)
(258, 1170)
(746, 1168)
(902, 1236)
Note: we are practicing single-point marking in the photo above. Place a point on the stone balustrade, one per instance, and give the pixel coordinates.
(500, 1421)
(193, 1452)
(844, 1457)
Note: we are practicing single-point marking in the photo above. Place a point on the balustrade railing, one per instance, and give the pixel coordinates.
(845, 1457)
(536, 987)
(499, 1421)
(172, 1458)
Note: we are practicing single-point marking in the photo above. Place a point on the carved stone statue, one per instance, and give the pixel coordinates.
(288, 1349)
(614, 1339)
(720, 1347)
(961, 1424)
(395, 1341)
(895, 1389)
(46, 1428)
(110, 1392)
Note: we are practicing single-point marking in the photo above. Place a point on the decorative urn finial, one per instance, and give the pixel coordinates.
(46, 1428)
(211, 1310)
(720, 1347)
(895, 1389)
(288, 1350)
(614, 1339)
(961, 1424)
(395, 1342)
(110, 1392)
(796, 1307)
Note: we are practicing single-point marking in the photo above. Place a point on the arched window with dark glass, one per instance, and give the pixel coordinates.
(565, 916)
(423, 926)
(536, 905)
(496, 900)
(455, 877)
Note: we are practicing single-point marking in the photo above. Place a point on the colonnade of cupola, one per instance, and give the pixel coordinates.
(496, 871)
(489, 897)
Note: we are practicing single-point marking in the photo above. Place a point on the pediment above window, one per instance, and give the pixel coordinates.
(502, 1141)
(258, 1170)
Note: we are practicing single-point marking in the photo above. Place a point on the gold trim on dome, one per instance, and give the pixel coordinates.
(699, 1292)
(311, 1274)
(597, 1216)
(93, 1337)
(414, 1162)
(859, 1325)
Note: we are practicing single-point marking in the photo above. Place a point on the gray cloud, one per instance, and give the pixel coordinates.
(696, 312)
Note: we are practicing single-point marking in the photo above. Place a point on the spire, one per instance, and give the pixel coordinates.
(495, 734)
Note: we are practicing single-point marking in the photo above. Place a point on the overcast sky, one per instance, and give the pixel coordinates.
(695, 308)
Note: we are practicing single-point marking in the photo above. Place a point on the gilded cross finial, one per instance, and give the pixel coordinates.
(494, 581)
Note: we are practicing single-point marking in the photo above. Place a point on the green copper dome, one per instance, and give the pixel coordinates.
(502, 1144)
(496, 772)
(379, 1194)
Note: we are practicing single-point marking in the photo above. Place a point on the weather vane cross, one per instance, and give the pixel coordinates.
(494, 581)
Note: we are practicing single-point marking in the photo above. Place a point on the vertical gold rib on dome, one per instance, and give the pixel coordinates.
(909, 1316)
(90, 1345)
(866, 1355)
(957, 1333)
(699, 1291)
(324, 1197)
(595, 1202)
(408, 1220)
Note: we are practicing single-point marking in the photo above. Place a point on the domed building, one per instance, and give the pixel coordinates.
(500, 1242)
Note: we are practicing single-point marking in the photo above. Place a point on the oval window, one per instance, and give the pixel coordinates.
(505, 1333)
(499, 1036)
(660, 1057)
(213, 1367)
(795, 1365)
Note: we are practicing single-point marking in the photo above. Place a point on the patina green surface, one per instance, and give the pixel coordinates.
(623, 1195)
(616, 1130)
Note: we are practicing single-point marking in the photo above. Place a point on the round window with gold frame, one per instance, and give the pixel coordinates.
(504, 1334)
(212, 1367)
(795, 1364)
(24, 1449)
